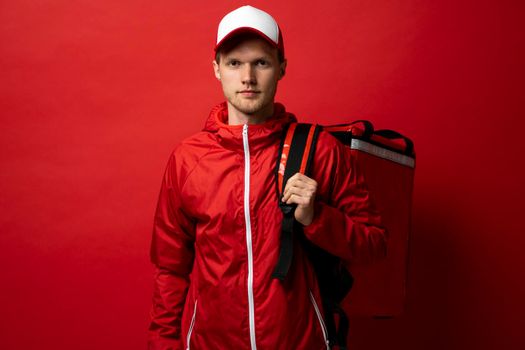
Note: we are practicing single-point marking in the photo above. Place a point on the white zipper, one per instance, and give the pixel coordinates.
(192, 324)
(320, 318)
(251, 308)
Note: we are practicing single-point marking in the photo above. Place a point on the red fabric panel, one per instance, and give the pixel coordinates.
(379, 288)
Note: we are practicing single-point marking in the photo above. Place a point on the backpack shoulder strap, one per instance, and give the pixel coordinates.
(296, 155)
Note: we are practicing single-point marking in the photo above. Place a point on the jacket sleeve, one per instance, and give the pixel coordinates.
(345, 222)
(172, 253)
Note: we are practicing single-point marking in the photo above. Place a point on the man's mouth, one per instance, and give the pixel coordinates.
(249, 93)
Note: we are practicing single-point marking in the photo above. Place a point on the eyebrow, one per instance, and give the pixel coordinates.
(266, 54)
(258, 58)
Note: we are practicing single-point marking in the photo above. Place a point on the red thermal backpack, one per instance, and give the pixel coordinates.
(387, 160)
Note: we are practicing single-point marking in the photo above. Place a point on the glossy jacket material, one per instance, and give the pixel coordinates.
(201, 251)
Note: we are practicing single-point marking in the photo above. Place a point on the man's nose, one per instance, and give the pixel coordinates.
(248, 74)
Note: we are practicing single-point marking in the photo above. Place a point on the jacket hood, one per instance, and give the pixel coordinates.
(260, 135)
(218, 118)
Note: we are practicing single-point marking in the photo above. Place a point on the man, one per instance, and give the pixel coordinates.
(217, 225)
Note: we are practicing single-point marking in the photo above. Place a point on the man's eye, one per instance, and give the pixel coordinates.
(233, 63)
(261, 63)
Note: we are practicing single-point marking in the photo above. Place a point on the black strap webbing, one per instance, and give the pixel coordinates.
(295, 158)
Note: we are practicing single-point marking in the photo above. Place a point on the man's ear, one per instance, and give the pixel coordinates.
(282, 69)
(216, 70)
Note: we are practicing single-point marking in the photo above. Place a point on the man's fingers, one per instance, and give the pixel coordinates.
(299, 200)
(302, 178)
(301, 191)
(300, 185)
(301, 181)
(307, 194)
(298, 189)
(302, 194)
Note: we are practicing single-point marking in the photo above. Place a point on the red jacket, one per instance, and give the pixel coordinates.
(217, 233)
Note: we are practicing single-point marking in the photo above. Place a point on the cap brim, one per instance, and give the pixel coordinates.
(243, 30)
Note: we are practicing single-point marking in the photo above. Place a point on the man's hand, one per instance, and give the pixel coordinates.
(300, 189)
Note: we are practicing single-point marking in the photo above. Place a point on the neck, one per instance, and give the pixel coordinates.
(236, 117)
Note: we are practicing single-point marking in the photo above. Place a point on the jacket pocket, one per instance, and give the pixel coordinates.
(192, 324)
(320, 319)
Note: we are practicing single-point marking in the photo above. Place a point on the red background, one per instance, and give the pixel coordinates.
(95, 94)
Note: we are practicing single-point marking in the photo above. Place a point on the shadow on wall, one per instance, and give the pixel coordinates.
(433, 280)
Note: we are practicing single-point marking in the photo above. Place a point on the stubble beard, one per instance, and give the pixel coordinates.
(249, 107)
(253, 107)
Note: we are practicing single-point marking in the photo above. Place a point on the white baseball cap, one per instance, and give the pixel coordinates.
(251, 20)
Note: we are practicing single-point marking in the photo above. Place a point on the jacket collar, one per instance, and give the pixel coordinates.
(259, 135)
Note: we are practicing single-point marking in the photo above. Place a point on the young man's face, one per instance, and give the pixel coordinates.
(249, 74)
